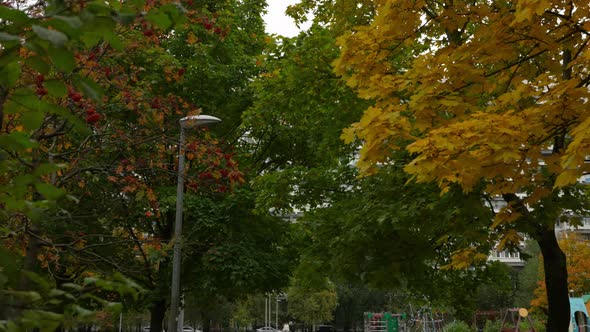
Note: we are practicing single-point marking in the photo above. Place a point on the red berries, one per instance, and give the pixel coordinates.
(74, 96)
(39, 79)
(41, 91)
(93, 118)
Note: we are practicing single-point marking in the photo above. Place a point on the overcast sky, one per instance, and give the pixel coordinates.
(276, 20)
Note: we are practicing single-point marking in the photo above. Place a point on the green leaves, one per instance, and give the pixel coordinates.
(49, 191)
(57, 38)
(32, 119)
(38, 63)
(62, 58)
(9, 74)
(73, 21)
(13, 15)
(6, 36)
(160, 19)
(89, 87)
(56, 88)
(77, 302)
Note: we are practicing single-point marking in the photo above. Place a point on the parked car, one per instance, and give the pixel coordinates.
(187, 329)
(325, 328)
(266, 329)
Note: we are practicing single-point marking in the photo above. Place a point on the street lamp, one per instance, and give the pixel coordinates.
(185, 123)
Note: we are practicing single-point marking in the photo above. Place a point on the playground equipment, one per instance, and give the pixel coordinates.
(423, 320)
(579, 312)
(513, 318)
(384, 322)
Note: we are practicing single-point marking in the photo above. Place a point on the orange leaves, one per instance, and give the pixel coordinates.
(191, 38)
(173, 74)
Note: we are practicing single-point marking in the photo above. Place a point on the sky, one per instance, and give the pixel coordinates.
(276, 20)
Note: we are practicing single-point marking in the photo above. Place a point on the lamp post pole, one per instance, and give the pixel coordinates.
(185, 123)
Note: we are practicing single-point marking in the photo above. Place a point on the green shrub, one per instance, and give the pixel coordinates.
(492, 326)
(457, 326)
(526, 326)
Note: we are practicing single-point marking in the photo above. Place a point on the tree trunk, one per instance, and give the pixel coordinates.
(157, 313)
(556, 282)
(206, 323)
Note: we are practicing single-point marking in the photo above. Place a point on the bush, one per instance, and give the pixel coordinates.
(492, 326)
(457, 326)
(539, 326)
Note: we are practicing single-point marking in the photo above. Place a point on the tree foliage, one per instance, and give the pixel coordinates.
(480, 91)
(312, 306)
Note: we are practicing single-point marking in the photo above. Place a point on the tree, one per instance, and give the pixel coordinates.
(481, 92)
(312, 306)
(90, 98)
(373, 231)
(577, 253)
(52, 115)
(497, 291)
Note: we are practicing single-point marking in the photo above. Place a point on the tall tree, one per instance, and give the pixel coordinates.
(490, 92)
(372, 230)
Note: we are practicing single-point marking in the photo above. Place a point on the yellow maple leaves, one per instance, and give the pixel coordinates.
(482, 91)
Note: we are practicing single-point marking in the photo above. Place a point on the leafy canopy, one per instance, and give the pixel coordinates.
(485, 90)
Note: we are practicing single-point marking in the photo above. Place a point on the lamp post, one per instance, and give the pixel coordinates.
(185, 123)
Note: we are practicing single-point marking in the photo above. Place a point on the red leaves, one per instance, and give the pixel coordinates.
(216, 171)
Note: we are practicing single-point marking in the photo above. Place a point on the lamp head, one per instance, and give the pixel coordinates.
(198, 120)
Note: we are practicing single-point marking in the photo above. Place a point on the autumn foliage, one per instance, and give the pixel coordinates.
(474, 90)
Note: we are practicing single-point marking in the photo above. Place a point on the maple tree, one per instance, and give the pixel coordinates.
(481, 92)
